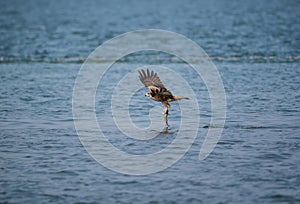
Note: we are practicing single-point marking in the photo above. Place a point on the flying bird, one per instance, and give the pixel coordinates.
(157, 91)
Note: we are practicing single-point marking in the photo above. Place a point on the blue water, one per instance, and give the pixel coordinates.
(256, 48)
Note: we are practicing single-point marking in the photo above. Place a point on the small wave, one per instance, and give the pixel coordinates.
(210, 126)
(153, 59)
(281, 198)
(254, 127)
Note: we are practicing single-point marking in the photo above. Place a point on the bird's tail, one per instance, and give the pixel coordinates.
(176, 98)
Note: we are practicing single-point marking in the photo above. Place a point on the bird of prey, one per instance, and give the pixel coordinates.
(157, 91)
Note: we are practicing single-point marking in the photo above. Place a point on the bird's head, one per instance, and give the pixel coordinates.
(148, 94)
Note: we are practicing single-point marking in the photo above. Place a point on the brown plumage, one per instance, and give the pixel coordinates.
(157, 91)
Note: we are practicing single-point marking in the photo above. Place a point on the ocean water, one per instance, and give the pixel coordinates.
(256, 49)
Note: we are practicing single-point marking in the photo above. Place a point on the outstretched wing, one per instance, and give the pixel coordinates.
(158, 91)
(151, 80)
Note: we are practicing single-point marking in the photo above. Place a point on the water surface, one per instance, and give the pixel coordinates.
(255, 47)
